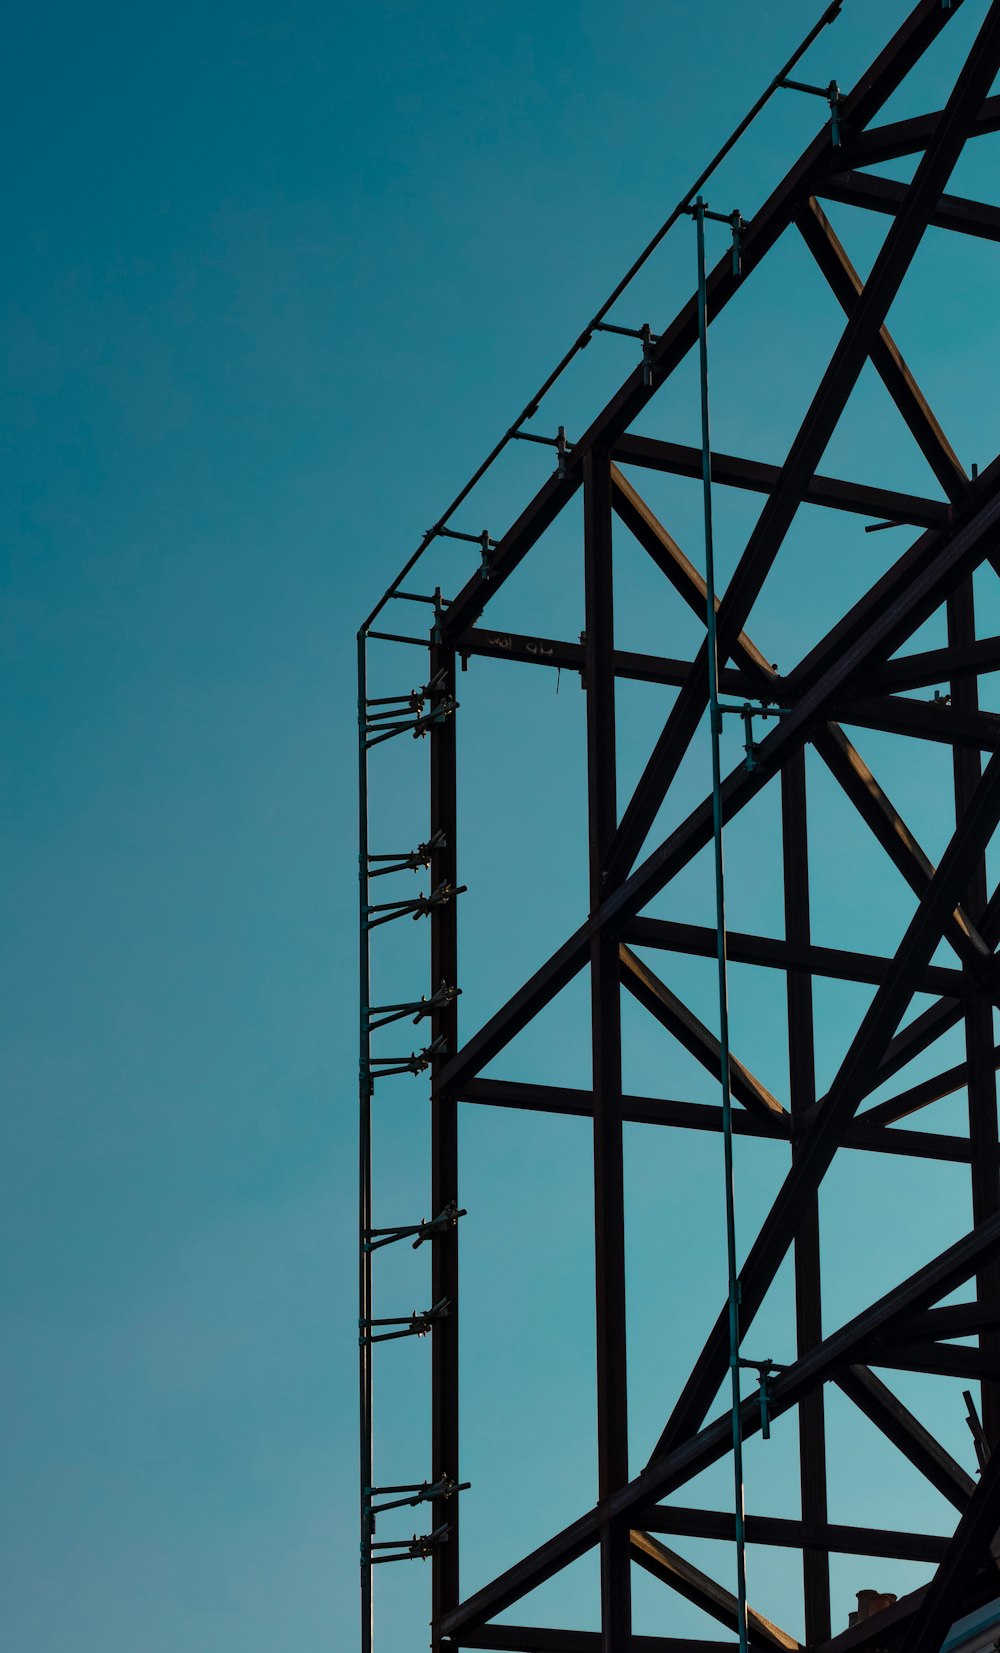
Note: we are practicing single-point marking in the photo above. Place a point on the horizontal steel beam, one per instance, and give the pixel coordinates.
(676, 1468)
(752, 476)
(559, 655)
(933, 666)
(533, 1638)
(654, 995)
(953, 212)
(707, 1116)
(898, 138)
(838, 963)
(778, 1533)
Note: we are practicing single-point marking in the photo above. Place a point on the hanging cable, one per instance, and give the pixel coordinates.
(715, 723)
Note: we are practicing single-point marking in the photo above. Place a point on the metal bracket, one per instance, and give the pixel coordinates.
(484, 541)
(980, 1441)
(560, 442)
(405, 861)
(404, 712)
(736, 222)
(765, 1370)
(418, 907)
(388, 1013)
(414, 1549)
(426, 1230)
(748, 711)
(831, 93)
(647, 338)
(383, 1067)
(417, 1324)
(423, 1493)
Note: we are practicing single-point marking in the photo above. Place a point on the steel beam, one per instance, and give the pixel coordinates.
(865, 321)
(705, 1593)
(855, 1076)
(827, 1361)
(953, 212)
(609, 1195)
(444, 1153)
(979, 1038)
(871, 92)
(823, 1538)
(846, 285)
(859, 498)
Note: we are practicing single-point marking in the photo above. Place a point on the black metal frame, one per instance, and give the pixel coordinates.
(850, 676)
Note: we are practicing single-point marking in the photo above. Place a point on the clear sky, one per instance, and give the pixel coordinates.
(276, 277)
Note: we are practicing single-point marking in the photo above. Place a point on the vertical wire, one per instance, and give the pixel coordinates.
(715, 720)
(364, 1164)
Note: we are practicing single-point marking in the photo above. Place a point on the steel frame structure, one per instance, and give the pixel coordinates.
(854, 675)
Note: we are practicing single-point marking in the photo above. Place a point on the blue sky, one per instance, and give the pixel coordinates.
(276, 278)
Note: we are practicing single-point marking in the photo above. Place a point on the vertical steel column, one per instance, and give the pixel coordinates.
(364, 1159)
(802, 1085)
(609, 1200)
(444, 1144)
(715, 732)
(979, 1011)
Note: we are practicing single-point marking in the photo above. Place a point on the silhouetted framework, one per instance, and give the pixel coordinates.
(855, 675)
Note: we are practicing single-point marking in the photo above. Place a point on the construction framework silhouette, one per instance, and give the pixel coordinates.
(855, 675)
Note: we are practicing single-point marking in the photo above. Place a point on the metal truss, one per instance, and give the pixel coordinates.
(854, 675)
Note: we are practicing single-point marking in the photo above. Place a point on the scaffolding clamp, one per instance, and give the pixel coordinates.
(765, 1370)
(428, 1229)
(395, 714)
(417, 1324)
(417, 908)
(484, 541)
(748, 711)
(831, 93)
(387, 1013)
(383, 1067)
(407, 861)
(736, 222)
(424, 1493)
(646, 337)
(414, 1549)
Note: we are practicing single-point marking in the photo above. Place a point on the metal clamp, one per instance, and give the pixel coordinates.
(765, 1370)
(748, 711)
(404, 712)
(419, 907)
(426, 1230)
(423, 1493)
(736, 222)
(417, 1324)
(388, 1013)
(484, 541)
(383, 1067)
(647, 338)
(414, 1549)
(831, 93)
(407, 861)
